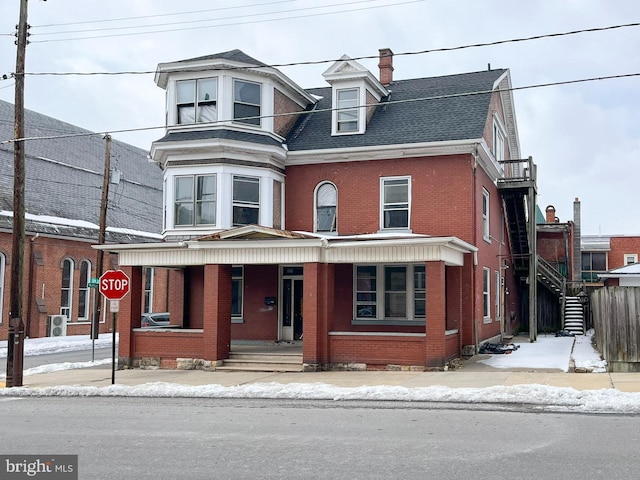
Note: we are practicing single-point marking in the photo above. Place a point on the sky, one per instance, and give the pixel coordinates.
(584, 137)
(547, 352)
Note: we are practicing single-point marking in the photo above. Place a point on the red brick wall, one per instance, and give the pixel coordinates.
(282, 104)
(46, 282)
(435, 210)
(377, 351)
(621, 246)
(260, 320)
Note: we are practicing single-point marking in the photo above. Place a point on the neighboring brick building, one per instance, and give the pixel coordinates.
(64, 177)
(362, 220)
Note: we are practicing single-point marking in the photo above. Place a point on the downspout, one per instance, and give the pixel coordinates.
(475, 244)
(30, 290)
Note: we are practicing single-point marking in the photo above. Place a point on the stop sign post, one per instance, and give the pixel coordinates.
(114, 285)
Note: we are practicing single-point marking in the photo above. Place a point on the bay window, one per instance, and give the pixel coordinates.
(195, 200)
(246, 200)
(196, 100)
(246, 102)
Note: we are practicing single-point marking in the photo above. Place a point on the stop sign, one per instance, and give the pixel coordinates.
(114, 284)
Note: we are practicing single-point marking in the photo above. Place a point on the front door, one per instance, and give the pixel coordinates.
(291, 312)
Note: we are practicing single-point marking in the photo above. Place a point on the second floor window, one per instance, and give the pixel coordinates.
(592, 264)
(197, 100)
(195, 200)
(395, 202)
(485, 215)
(326, 202)
(246, 102)
(246, 200)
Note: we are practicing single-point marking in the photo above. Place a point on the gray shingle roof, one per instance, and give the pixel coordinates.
(234, 55)
(442, 119)
(221, 134)
(64, 180)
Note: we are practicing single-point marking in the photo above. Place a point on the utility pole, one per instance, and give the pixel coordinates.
(95, 327)
(15, 341)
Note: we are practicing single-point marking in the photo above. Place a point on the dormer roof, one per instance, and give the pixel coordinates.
(347, 69)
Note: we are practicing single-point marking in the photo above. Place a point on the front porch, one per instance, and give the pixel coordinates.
(334, 313)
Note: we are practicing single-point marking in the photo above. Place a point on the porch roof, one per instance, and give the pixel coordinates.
(255, 245)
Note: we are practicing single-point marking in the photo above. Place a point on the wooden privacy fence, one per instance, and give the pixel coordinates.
(616, 321)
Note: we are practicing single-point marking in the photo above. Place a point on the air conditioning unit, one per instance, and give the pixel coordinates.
(57, 326)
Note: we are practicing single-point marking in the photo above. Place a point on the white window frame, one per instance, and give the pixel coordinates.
(67, 310)
(84, 291)
(630, 258)
(244, 203)
(252, 120)
(378, 300)
(486, 294)
(497, 295)
(486, 207)
(384, 207)
(197, 103)
(239, 279)
(149, 283)
(499, 139)
(317, 206)
(195, 202)
(345, 110)
(3, 265)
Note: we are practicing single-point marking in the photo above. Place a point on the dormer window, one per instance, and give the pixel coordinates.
(197, 100)
(246, 102)
(347, 114)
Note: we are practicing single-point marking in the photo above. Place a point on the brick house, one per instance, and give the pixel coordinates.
(362, 221)
(63, 192)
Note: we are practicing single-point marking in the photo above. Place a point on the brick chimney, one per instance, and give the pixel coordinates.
(550, 212)
(386, 66)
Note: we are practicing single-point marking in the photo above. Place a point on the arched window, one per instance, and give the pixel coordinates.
(3, 264)
(326, 207)
(66, 288)
(84, 300)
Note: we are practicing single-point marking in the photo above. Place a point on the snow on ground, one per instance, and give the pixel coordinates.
(552, 352)
(547, 352)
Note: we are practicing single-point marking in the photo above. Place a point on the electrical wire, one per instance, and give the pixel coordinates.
(390, 102)
(365, 57)
(162, 14)
(234, 17)
(228, 24)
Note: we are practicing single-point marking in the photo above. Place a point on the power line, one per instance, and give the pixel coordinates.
(390, 102)
(160, 15)
(365, 57)
(230, 24)
(201, 20)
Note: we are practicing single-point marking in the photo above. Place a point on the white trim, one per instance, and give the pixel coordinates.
(376, 334)
(450, 250)
(486, 219)
(486, 295)
(382, 203)
(315, 208)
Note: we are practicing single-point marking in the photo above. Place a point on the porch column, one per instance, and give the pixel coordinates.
(128, 317)
(216, 312)
(436, 312)
(317, 311)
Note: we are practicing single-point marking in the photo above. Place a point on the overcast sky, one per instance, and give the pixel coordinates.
(584, 137)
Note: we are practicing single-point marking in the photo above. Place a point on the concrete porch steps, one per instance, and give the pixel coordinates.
(261, 362)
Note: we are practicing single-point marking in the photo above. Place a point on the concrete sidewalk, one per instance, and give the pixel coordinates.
(462, 378)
